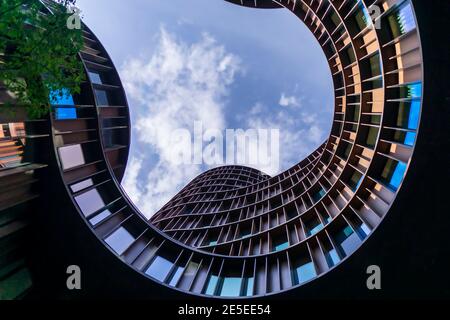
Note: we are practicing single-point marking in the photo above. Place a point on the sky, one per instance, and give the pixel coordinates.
(186, 63)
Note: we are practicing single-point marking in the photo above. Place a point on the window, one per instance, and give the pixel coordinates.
(303, 272)
(211, 285)
(375, 66)
(100, 217)
(313, 225)
(393, 173)
(347, 239)
(247, 289)
(176, 275)
(90, 202)
(362, 17)
(406, 138)
(159, 268)
(332, 257)
(82, 185)
(102, 97)
(95, 77)
(318, 195)
(280, 243)
(62, 100)
(402, 21)
(120, 240)
(230, 287)
(71, 156)
(362, 230)
(372, 135)
(355, 180)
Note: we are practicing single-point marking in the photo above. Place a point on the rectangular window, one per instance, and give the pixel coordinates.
(347, 240)
(159, 268)
(176, 275)
(407, 138)
(355, 180)
(318, 195)
(102, 97)
(82, 185)
(393, 173)
(362, 17)
(71, 156)
(372, 135)
(332, 257)
(304, 272)
(120, 240)
(90, 202)
(280, 243)
(402, 21)
(95, 77)
(313, 225)
(230, 287)
(62, 100)
(65, 113)
(248, 287)
(211, 285)
(99, 217)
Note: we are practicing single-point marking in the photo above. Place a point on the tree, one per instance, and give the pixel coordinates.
(39, 53)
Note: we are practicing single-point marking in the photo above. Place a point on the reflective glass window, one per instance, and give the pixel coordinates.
(90, 202)
(120, 240)
(348, 240)
(304, 272)
(71, 156)
(230, 287)
(159, 268)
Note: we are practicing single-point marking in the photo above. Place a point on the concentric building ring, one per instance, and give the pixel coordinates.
(234, 231)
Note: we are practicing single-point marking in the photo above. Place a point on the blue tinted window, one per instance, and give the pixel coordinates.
(313, 226)
(410, 137)
(159, 268)
(398, 174)
(65, 113)
(348, 240)
(248, 290)
(318, 195)
(120, 240)
(281, 246)
(211, 285)
(95, 77)
(102, 97)
(362, 230)
(95, 220)
(405, 17)
(412, 90)
(332, 257)
(304, 273)
(231, 287)
(61, 98)
(176, 275)
(414, 113)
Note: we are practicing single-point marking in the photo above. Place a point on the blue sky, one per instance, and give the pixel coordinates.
(207, 60)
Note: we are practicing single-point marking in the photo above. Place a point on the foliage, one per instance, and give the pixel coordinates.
(39, 53)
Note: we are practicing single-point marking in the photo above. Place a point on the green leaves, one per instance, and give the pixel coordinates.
(38, 53)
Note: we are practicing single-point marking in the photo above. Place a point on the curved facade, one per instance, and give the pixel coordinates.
(234, 231)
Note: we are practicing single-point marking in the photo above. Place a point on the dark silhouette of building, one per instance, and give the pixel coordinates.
(368, 195)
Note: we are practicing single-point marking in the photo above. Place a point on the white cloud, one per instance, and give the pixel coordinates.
(299, 133)
(289, 101)
(179, 84)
